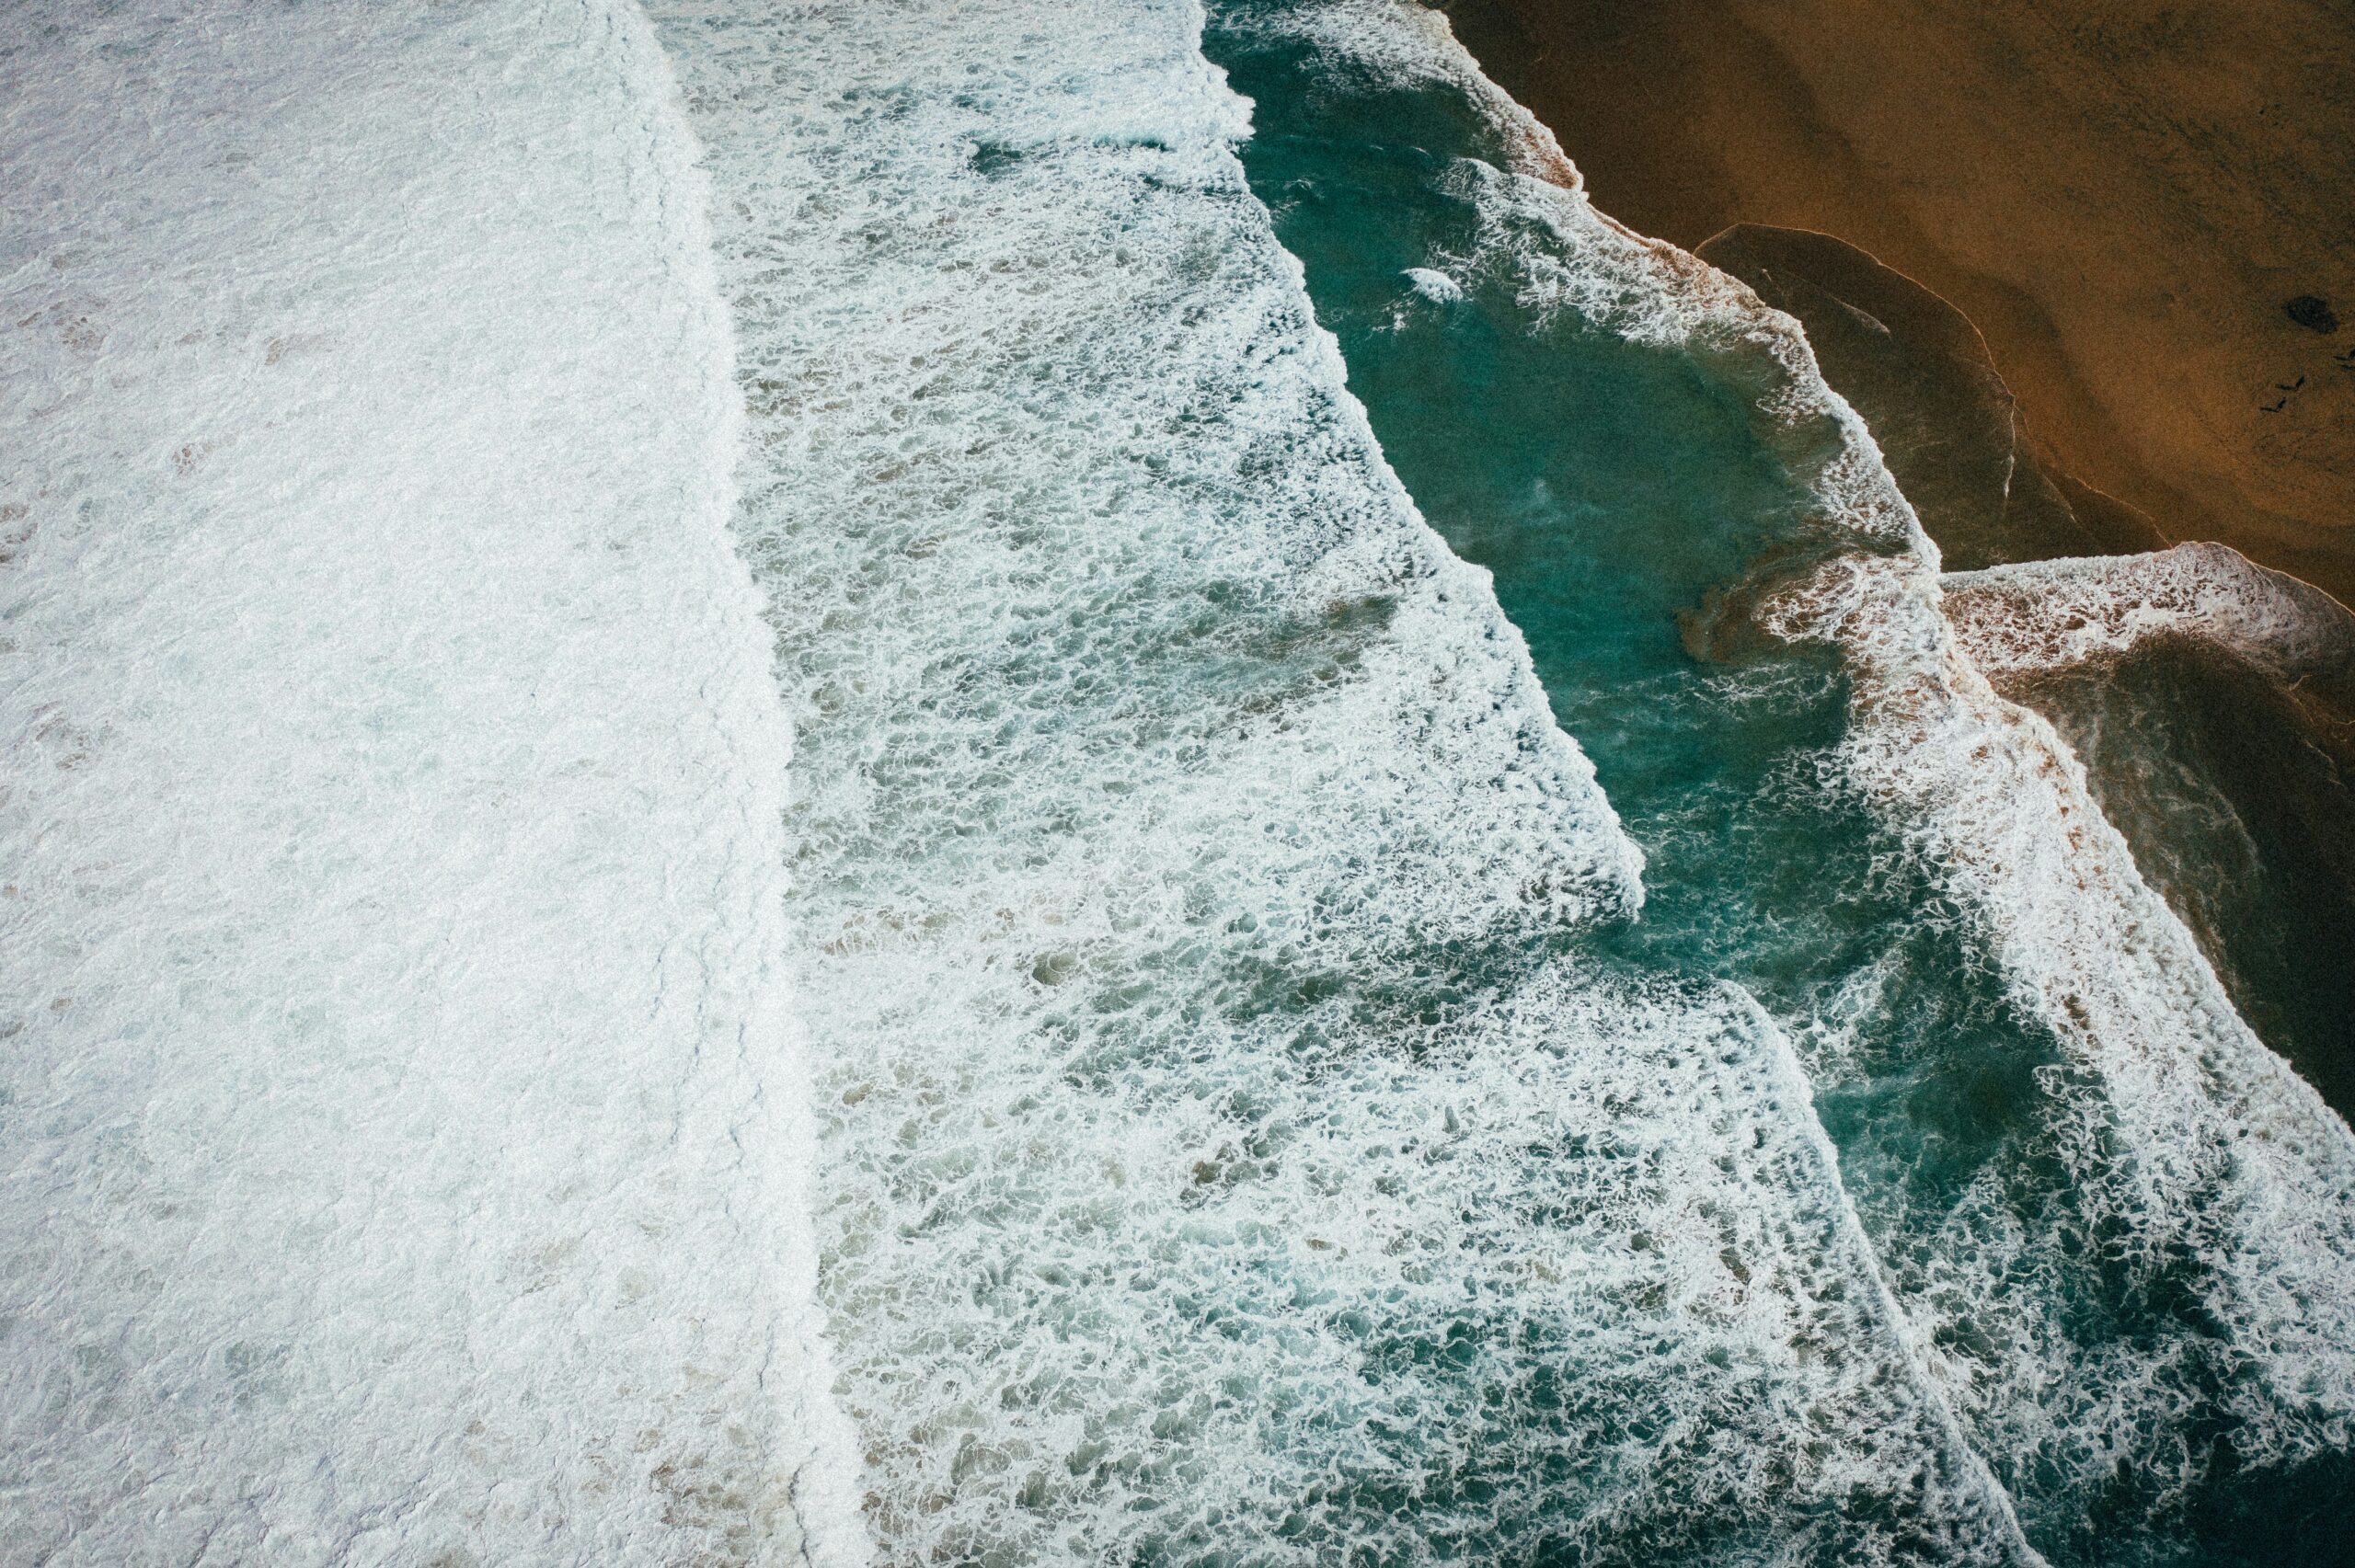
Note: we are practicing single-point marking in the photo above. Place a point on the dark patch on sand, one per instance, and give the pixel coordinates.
(2312, 313)
(1920, 373)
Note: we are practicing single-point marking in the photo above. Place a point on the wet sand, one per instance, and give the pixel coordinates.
(1949, 425)
(2047, 256)
(2120, 201)
(2232, 792)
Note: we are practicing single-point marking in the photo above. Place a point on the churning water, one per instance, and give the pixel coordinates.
(1418, 935)
(1276, 1108)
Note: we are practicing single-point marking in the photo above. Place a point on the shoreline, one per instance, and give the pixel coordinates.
(2120, 206)
(2053, 376)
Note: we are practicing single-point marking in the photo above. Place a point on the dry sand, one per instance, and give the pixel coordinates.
(2121, 195)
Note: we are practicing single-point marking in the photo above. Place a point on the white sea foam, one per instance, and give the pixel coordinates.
(2048, 615)
(2237, 1161)
(1434, 285)
(2184, 1137)
(401, 1132)
(1222, 1161)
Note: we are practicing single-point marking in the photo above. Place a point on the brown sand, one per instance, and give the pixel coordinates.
(2246, 826)
(1922, 377)
(2120, 194)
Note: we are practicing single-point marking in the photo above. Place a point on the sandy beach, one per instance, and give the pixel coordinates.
(2052, 260)
(2123, 200)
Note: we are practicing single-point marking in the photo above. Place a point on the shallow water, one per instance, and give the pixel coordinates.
(1231, 1154)
(1613, 473)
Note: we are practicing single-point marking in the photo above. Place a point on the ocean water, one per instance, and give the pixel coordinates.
(1240, 1145)
(401, 1138)
(2116, 1222)
(1346, 890)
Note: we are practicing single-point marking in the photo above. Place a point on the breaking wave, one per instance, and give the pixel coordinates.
(403, 1140)
(1229, 1156)
(2188, 1255)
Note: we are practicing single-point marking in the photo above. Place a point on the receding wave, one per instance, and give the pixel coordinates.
(2046, 614)
(1229, 1156)
(2194, 1168)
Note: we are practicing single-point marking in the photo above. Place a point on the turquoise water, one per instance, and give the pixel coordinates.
(1612, 482)
(1269, 1111)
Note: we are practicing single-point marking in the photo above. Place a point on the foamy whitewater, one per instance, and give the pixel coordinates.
(2197, 1165)
(2047, 615)
(1078, 1013)
(402, 1137)
(1223, 1162)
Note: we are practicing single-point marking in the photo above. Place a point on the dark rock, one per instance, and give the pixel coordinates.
(2312, 313)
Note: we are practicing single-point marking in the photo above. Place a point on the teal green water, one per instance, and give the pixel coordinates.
(1610, 484)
